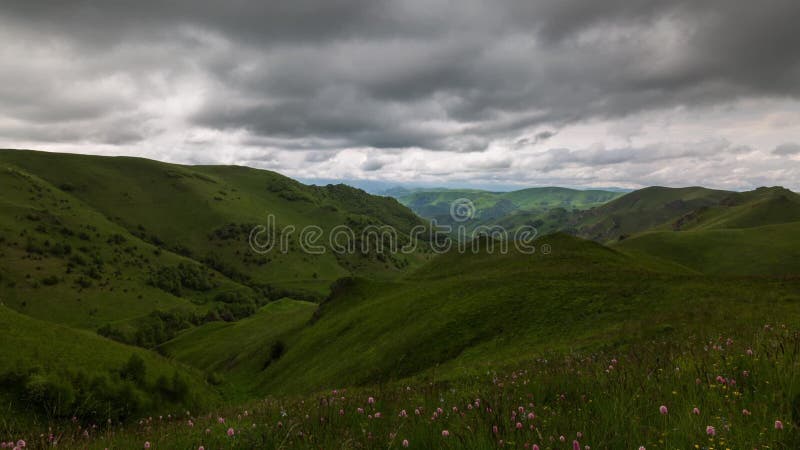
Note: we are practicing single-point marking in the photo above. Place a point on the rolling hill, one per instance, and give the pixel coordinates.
(207, 212)
(640, 211)
(60, 372)
(522, 207)
(156, 255)
(468, 313)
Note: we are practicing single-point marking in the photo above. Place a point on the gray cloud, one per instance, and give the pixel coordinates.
(787, 149)
(328, 75)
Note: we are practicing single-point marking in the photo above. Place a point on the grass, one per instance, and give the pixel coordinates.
(516, 208)
(206, 213)
(240, 350)
(741, 385)
(589, 338)
(58, 353)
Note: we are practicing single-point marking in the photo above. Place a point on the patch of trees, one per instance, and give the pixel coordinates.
(152, 330)
(117, 394)
(183, 276)
(232, 231)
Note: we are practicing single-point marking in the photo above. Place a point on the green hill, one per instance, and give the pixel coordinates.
(465, 313)
(532, 205)
(641, 210)
(762, 206)
(771, 250)
(242, 350)
(207, 212)
(59, 372)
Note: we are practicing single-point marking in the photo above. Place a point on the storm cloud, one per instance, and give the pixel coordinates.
(406, 90)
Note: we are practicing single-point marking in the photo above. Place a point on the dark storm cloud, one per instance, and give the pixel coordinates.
(437, 75)
(787, 149)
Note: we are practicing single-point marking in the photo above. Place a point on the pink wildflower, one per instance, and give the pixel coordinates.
(519, 425)
(445, 433)
(576, 445)
(696, 411)
(663, 410)
(371, 400)
(405, 443)
(146, 444)
(231, 432)
(711, 431)
(778, 425)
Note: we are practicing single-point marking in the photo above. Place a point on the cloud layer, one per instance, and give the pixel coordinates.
(629, 93)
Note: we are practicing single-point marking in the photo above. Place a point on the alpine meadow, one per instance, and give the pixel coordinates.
(538, 225)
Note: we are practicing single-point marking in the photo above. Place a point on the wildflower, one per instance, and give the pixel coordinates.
(778, 425)
(641, 447)
(663, 410)
(405, 443)
(562, 438)
(535, 447)
(576, 445)
(378, 415)
(445, 433)
(531, 416)
(696, 411)
(371, 400)
(220, 420)
(146, 444)
(201, 448)
(494, 429)
(360, 410)
(519, 425)
(403, 413)
(745, 412)
(231, 432)
(711, 431)
(749, 352)
(341, 412)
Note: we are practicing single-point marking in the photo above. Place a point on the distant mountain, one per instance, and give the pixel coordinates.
(744, 233)
(532, 206)
(641, 210)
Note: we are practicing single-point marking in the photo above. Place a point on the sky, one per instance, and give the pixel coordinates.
(458, 93)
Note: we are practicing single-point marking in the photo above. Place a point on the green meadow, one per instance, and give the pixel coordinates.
(136, 315)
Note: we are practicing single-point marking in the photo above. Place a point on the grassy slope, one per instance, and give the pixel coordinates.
(764, 250)
(34, 212)
(28, 343)
(747, 233)
(240, 350)
(467, 313)
(491, 207)
(182, 206)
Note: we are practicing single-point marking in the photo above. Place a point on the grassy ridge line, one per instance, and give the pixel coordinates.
(206, 212)
(770, 250)
(100, 274)
(523, 207)
(493, 310)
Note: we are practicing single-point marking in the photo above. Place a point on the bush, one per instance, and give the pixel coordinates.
(116, 395)
(184, 275)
